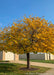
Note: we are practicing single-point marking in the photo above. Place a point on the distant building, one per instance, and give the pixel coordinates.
(8, 56)
(39, 56)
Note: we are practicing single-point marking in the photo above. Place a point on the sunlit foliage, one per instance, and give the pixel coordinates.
(31, 34)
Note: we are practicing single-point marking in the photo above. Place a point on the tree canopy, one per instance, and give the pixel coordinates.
(31, 34)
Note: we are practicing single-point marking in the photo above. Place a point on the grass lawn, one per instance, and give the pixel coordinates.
(43, 61)
(3, 61)
(14, 69)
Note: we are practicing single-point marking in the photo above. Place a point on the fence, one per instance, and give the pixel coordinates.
(33, 56)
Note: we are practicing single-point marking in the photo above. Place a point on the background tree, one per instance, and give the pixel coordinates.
(31, 34)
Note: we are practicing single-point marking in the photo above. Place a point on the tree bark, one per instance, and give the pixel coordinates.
(28, 63)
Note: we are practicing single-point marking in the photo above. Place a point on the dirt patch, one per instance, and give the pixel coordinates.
(30, 69)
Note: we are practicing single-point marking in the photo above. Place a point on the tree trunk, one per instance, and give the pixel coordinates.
(28, 63)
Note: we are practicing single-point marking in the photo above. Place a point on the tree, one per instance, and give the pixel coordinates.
(31, 34)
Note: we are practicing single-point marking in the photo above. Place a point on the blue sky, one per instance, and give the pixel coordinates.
(15, 9)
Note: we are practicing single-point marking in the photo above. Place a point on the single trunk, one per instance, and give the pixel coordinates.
(28, 63)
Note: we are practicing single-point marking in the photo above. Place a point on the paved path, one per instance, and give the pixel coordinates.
(49, 65)
(37, 64)
(49, 72)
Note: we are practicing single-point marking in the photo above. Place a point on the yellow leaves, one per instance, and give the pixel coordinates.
(11, 36)
(44, 44)
(2, 32)
(27, 21)
(38, 22)
(35, 49)
(23, 35)
(15, 24)
(10, 43)
(51, 25)
(39, 50)
(32, 34)
(25, 39)
(53, 41)
(15, 41)
(44, 51)
(52, 45)
(31, 24)
(43, 38)
(12, 27)
(37, 36)
(36, 44)
(35, 24)
(21, 51)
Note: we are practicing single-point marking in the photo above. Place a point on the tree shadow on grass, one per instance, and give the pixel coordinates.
(7, 67)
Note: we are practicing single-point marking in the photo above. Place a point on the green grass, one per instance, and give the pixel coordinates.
(3, 61)
(14, 69)
(43, 61)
